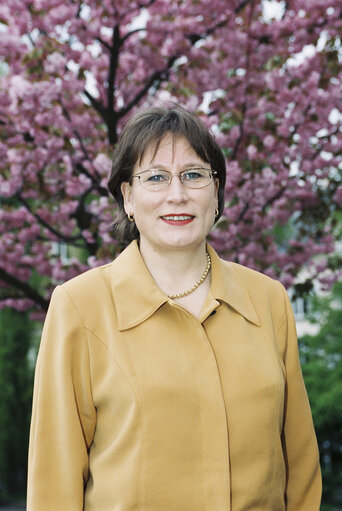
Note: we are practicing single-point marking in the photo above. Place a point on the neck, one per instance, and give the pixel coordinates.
(175, 270)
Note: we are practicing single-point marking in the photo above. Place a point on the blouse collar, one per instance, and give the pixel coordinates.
(137, 296)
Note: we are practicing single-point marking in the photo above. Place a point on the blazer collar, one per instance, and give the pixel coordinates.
(137, 296)
(228, 286)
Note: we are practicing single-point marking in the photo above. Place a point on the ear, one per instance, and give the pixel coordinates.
(126, 191)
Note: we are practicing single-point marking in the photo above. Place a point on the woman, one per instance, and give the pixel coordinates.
(169, 380)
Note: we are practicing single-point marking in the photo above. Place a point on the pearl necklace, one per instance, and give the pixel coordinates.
(198, 283)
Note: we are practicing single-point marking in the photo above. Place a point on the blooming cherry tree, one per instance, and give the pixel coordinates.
(269, 86)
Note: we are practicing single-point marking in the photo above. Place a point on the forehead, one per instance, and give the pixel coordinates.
(169, 148)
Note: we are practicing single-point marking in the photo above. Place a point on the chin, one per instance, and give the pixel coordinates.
(183, 242)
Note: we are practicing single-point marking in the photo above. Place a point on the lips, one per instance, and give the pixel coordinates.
(177, 220)
(177, 217)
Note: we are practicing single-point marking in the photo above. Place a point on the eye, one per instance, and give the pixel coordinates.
(193, 174)
(156, 176)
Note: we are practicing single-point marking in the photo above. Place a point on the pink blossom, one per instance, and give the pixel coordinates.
(270, 111)
(269, 141)
(252, 152)
(19, 86)
(102, 164)
(88, 236)
(76, 185)
(55, 63)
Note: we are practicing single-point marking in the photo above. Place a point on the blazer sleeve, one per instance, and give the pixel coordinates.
(63, 414)
(303, 476)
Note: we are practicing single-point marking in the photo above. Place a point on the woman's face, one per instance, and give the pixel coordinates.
(176, 217)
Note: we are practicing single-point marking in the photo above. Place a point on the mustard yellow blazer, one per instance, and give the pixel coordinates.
(140, 406)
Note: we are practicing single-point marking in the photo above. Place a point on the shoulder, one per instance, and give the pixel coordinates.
(251, 277)
(89, 280)
(86, 294)
(264, 291)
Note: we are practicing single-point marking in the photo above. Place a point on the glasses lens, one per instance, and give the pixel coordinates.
(196, 178)
(155, 179)
(158, 179)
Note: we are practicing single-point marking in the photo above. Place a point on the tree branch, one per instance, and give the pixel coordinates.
(241, 6)
(102, 191)
(82, 170)
(104, 43)
(95, 103)
(45, 223)
(240, 137)
(113, 65)
(273, 198)
(108, 114)
(193, 38)
(126, 36)
(28, 291)
(75, 132)
(156, 76)
(243, 212)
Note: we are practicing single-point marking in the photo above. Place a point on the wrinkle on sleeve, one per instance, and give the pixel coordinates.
(63, 413)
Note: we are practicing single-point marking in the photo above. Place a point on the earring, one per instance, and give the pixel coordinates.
(216, 212)
(131, 217)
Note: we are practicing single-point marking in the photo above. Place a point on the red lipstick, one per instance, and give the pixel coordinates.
(178, 220)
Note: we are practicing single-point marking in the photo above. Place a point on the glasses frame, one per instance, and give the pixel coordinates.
(176, 174)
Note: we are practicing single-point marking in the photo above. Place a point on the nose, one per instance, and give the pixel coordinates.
(177, 192)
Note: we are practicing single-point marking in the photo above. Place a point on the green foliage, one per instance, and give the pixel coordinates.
(322, 368)
(16, 375)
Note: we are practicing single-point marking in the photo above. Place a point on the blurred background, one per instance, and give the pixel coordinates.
(264, 75)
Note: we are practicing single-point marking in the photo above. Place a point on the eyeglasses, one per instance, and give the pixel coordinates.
(159, 179)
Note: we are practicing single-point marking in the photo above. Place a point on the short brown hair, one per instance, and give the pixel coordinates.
(149, 126)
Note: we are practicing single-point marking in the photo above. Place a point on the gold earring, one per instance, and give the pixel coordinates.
(216, 212)
(131, 217)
